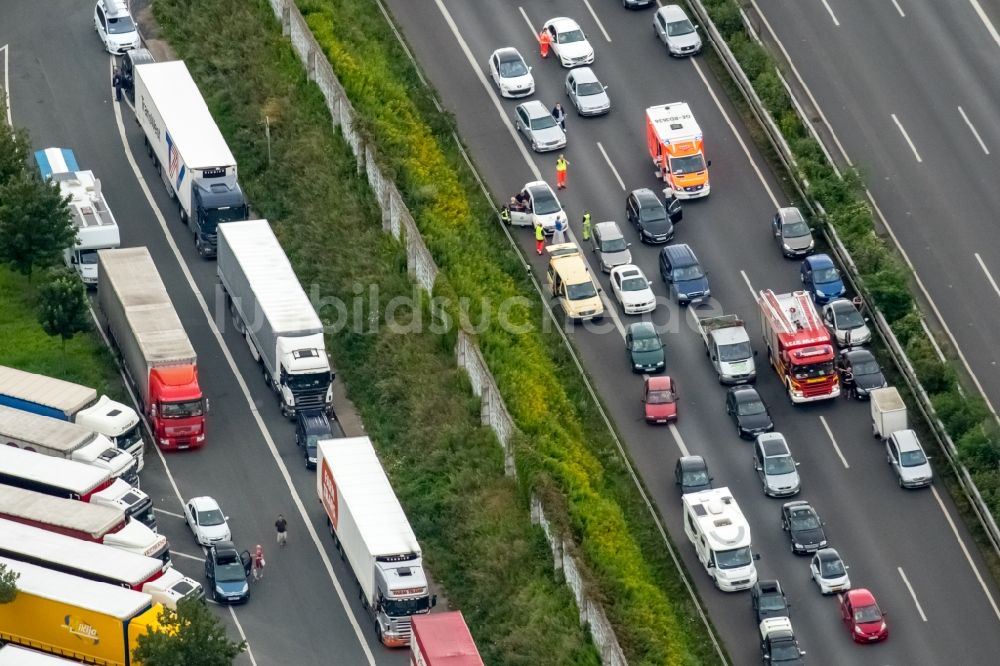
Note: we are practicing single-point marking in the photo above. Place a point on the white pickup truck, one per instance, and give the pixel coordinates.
(727, 345)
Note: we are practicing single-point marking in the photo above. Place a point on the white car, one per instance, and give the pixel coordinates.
(542, 207)
(511, 74)
(588, 95)
(632, 289)
(568, 42)
(908, 460)
(676, 31)
(115, 27)
(846, 323)
(206, 520)
(829, 571)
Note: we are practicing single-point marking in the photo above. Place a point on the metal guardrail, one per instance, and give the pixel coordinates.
(892, 344)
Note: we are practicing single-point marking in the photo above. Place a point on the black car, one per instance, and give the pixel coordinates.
(311, 425)
(805, 529)
(645, 348)
(130, 60)
(654, 222)
(228, 573)
(865, 371)
(767, 599)
(691, 475)
(749, 412)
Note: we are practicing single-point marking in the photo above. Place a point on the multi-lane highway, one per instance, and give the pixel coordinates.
(911, 90)
(60, 91)
(910, 548)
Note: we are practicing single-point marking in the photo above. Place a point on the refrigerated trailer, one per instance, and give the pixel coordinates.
(443, 639)
(66, 401)
(156, 353)
(188, 150)
(270, 309)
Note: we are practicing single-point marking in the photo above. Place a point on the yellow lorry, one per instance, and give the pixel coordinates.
(72, 617)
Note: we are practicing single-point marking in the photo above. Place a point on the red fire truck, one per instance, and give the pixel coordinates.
(798, 346)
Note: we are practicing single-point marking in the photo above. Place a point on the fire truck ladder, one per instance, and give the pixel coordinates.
(799, 316)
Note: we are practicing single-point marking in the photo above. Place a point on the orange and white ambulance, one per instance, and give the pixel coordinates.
(678, 149)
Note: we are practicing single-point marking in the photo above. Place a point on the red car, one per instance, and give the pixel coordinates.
(862, 616)
(659, 398)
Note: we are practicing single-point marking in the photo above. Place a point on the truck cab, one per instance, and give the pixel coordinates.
(216, 199)
(571, 283)
(401, 593)
(305, 380)
(116, 421)
(177, 407)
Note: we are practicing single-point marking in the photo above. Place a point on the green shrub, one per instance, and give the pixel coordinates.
(751, 56)
(772, 92)
(891, 293)
(958, 412)
(935, 376)
(726, 16)
(979, 448)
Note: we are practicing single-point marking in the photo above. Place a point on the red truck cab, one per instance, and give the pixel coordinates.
(177, 407)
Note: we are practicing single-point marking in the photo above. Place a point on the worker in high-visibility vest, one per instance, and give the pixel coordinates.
(586, 225)
(561, 165)
(544, 40)
(539, 238)
(505, 215)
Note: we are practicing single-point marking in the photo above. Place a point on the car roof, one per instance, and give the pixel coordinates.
(646, 197)
(562, 23)
(584, 75)
(840, 305)
(828, 554)
(774, 447)
(906, 440)
(790, 214)
(672, 12)
(139, 56)
(659, 382)
(221, 546)
(628, 270)
(608, 229)
(680, 251)
(744, 392)
(204, 502)
(769, 586)
(692, 462)
(534, 108)
(820, 261)
(508, 54)
(858, 355)
(116, 8)
(538, 186)
(643, 329)
(314, 419)
(861, 597)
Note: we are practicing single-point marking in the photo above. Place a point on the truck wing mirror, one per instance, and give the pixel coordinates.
(754, 352)
(434, 600)
(208, 406)
(708, 163)
(756, 556)
(73, 260)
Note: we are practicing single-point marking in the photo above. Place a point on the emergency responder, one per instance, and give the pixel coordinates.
(586, 225)
(544, 40)
(561, 165)
(539, 238)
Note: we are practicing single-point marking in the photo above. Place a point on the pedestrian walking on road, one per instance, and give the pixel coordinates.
(281, 529)
(847, 380)
(258, 562)
(586, 225)
(561, 165)
(560, 115)
(539, 238)
(117, 81)
(559, 236)
(544, 40)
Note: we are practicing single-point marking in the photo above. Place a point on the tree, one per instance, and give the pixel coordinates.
(35, 223)
(62, 304)
(13, 151)
(8, 584)
(189, 636)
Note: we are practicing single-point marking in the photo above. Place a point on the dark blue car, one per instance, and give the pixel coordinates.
(821, 278)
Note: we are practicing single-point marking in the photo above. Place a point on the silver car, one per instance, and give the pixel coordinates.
(908, 460)
(588, 95)
(792, 233)
(539, 127)
(609, 244)
(676, 31)
(775, 466)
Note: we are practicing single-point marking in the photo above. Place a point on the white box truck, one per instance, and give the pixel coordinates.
(372, 532)
(95, 225)
(65, 440)
(188, 150)
(720, 534)
(270, 309)
(66, 401)
(888, 412)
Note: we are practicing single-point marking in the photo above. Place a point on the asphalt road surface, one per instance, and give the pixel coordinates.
(909, 548)
(912, 90)
(60, 84)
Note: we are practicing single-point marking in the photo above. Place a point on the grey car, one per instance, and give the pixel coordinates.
(676, 31)
(908, 460)
(775, 466)
(538, 126)
(609, 244)
(588, 95)
(792, 233)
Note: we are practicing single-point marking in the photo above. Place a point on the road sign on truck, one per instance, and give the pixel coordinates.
(275, 316)
(888, 412)
(371, 530)
(443, 639)
(188, 150)
(155, 350)
(58, 399)
(90, 622)
(728, 347)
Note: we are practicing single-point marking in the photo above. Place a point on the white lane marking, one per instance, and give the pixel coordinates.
(913, 594)
(599, 24)
(609, 308)
(993, 283)
(168, 513)
(898, 8)
(190, 557)
(975, 133)
(611, 166)
(246, 394)
(834, 442)
(749, 286)
(679, 440)
(965, 551)
(829, 9)
(239, 628)
(906, 136)
(528, 21)
(986, 21)
(739, 139)
(6, 81)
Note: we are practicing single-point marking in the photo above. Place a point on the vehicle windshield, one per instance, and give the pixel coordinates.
(581, 291)
(614, 245)
(590, 88)
(779, 465)
(751, 407)
(867, 614)
(690, 164)
(849, 318)
(826, 275)
(229, 569)
(772, 602)
(570, 36)
(120, 25)
(211, 518)
(804, 520)
(732, 559)
(127, 439)
(647, 344)
(696, 478)
(88, 257)
(181, 410)
(545, 203)
(814, 370)
(739, 351)
(679, 28)
(832, 568)
(634, 284)
(783, 652)
(404, 607)
(693, 272)
(663, 397)
(866, 368)
(653, 214)
(213, 217)
(912, 458)
(795, 229)
(512, 68)
(312, 380)
(543, 122)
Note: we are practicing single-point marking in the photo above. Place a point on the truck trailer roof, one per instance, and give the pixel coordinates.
(190, 128)
(53, 433)
(14, 655)
(119, 602)
(65, 396)
(93, 519)
(444, 640)
(74, 476)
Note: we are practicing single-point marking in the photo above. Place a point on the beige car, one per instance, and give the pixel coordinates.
(571, 283)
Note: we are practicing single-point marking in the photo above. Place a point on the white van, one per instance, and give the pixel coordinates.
(720, 534)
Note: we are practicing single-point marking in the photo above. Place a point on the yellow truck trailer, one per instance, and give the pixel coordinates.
(92, 622)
